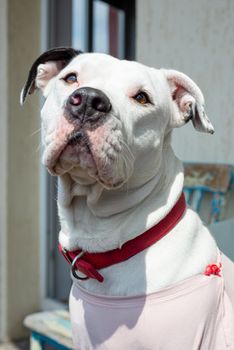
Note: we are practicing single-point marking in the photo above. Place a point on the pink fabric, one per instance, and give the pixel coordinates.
(194, 314)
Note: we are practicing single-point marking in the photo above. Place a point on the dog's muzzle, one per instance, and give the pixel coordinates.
(88, 105)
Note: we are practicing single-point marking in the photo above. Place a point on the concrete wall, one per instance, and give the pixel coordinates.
(196, 37)
(19, 181)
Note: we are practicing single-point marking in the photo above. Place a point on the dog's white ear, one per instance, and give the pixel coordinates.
(45, 72)
(46, 67)
(188, 102)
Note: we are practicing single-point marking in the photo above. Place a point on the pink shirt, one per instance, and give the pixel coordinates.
(193, 314)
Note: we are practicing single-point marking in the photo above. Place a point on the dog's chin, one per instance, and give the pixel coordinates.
(74, 160)
(84, 169)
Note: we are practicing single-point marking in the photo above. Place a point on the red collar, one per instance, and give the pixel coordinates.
(89, 263)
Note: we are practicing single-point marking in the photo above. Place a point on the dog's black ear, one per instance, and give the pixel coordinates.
(188, 102)
(56, 58)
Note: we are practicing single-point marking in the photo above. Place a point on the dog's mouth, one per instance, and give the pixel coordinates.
(95, 153)
(74, 153)
(78, 137)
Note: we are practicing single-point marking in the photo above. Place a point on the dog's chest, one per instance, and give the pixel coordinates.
(191, 312)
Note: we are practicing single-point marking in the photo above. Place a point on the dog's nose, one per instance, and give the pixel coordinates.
(88, 104)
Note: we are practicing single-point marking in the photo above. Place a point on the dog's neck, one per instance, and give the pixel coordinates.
(95, 219)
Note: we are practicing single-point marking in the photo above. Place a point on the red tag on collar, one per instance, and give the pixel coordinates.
(88, 270)
(89, 263)
(81, 265)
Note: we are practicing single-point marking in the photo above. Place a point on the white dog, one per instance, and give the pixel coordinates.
(107, 127)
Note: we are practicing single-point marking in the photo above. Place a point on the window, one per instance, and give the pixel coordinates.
(107, 32)
(93, 25)
(88, 25)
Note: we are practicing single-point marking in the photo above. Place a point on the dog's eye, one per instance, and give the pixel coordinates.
(70, 78)
(142, 98)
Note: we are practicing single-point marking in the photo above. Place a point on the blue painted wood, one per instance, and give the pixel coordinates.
(50, 327)
(188, 193)
(216, 206)
(197, 196)
(43, 340)
(202, 179)
(36, 342)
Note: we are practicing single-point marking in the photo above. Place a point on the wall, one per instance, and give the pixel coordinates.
(19, 182)
(196, 37)
(3, 161)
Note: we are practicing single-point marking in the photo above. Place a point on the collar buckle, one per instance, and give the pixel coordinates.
(78, 264)
(74, 269)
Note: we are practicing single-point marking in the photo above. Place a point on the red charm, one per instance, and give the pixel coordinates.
(213, 269)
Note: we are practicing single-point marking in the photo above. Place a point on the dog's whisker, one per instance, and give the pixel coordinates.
(35, 132)
(127, 148)
(105, 163)
(128, 156)
(130, 161)
(39, 147)
(117, 164)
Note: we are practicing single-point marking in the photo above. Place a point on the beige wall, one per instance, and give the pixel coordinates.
(3, 161)
(19, 185)
(196, 37)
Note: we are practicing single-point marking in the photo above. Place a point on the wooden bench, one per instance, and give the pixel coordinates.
(50, 328)
(207, 187)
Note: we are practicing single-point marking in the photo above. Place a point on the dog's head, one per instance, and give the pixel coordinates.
(107, 120)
